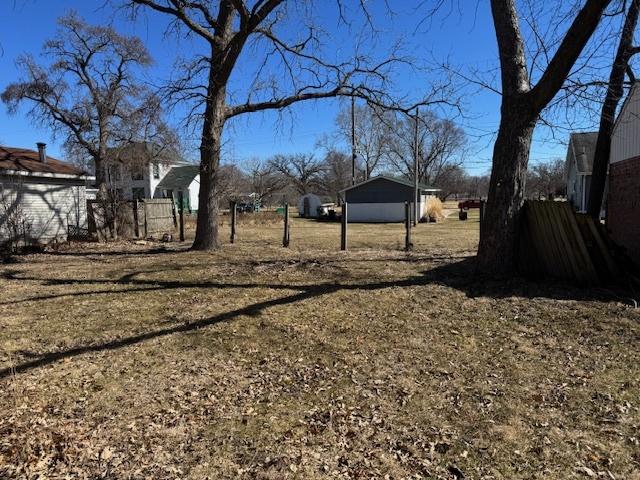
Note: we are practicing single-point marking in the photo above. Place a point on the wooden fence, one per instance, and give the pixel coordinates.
(135, 219)
(558, 242)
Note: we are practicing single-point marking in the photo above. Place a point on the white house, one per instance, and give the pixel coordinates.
(579, 164)
(138, 172)
(623, 198)
(41, 198)
(177, 179)
(382, 199)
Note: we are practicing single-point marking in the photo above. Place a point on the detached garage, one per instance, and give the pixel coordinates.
(41, 198)
(381, 199)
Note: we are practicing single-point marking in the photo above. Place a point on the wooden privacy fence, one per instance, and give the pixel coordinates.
(135, 219)
(558, 242)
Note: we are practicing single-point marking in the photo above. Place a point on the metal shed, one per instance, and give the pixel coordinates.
(381, 199)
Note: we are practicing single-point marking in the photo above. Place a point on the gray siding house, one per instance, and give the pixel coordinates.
(382, 198)
(579, 164)
(41, 198)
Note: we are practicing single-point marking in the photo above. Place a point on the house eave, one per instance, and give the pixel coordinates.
(55, 176)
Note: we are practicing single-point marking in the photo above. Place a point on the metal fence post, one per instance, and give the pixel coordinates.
(232, 208)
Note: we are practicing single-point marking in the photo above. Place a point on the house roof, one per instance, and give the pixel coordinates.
(179, 177)
(401, 181)
(582, 147)
(24, 160)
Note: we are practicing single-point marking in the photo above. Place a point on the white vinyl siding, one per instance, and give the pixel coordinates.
(48, 206)
(625, 141)
(382, 212)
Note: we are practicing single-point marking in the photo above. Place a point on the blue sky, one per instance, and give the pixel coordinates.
(466, 40)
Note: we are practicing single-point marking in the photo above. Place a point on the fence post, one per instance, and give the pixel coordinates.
(181, 200)
(343, 227)
(233, 211)
(408, 246)
(136, 222)
(482, 205)
(286, 238)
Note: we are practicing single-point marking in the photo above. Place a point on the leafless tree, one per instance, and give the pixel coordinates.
(373, 133)
(264, 180)
(522, 105)
(303, 171)
(336, 174)
(453, 180)
(546, 179)
(615, 90)
(90, 95)
(286, 58)
(440, 145)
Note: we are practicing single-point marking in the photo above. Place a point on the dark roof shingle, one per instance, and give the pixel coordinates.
(584, 149)
(24, 160)
(179, 177)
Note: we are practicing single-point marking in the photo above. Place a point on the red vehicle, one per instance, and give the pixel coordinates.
(467, 204)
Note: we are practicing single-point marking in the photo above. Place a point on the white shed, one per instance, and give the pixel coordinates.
(308, 205)
(41, 198)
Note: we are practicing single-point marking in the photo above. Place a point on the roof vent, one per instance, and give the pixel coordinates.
(42, 152)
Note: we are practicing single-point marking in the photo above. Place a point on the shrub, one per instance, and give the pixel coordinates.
(434, 210)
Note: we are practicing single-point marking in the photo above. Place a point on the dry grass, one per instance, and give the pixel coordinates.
(262, 362)
(435, 209)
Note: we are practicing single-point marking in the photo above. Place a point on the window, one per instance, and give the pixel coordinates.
(136, 173)
(156, 170)
(137, 193)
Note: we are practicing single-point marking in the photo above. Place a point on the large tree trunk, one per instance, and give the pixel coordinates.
(210, 149)
(607, 116)
(498, 246)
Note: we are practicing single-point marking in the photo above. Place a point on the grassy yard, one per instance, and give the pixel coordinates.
(150, 361)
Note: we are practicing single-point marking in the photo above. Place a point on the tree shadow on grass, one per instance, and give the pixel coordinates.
(456, 275)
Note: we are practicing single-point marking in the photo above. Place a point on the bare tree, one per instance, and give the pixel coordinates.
(546, 179)
(453, 180)
(373, 134)
(303, 171)
(264, 180)
(287, 62)
(614, 93)
(440, 146)
(522, 104)
(336, 174)
(89, 94)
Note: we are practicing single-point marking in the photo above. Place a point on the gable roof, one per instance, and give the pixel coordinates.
(582, 149)
(24, 160)
(400, 181)
(179, 177)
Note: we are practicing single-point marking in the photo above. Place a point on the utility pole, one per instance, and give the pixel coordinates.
(353, 140)
(416, 204)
